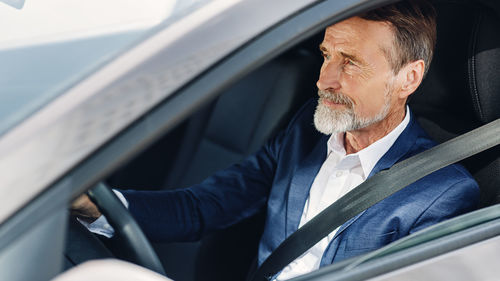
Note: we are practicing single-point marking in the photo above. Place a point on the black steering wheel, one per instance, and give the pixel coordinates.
(133, 244)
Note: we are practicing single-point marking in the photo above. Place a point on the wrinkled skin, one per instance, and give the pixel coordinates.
(356, 66)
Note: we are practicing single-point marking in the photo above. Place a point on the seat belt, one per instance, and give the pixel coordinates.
(374, 190)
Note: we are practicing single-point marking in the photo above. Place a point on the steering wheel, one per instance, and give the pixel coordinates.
(133, 244)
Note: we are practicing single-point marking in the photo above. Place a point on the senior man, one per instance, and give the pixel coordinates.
(372, 64)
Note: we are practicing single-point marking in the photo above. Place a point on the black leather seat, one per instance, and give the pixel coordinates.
(245, 116)
(224, 132)
(462, 88)
(275, 93)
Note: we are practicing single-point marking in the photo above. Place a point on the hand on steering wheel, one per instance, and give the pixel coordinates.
(134, 244)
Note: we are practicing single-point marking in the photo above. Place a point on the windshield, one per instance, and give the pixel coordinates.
(47, 46)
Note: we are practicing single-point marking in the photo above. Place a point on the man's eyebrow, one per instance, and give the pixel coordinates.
(345, 54)
(353, 57)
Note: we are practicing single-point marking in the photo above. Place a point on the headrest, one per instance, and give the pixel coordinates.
(492, 4)
(484, 66)
(462, 88)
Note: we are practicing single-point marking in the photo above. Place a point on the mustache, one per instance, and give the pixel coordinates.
(336, 98)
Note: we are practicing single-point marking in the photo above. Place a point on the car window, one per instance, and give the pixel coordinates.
(46, 46)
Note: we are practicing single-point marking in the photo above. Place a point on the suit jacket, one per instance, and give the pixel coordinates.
(279, 177)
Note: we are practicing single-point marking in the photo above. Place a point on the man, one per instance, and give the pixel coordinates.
(372, 64)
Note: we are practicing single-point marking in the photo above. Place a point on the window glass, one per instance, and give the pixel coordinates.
(46, 46)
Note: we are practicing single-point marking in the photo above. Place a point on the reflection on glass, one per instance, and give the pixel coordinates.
(46, 46)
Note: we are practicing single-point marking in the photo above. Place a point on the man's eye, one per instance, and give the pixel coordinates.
(349, 62)
(326, 56)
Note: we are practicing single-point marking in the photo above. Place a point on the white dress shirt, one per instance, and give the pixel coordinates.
(339, 174)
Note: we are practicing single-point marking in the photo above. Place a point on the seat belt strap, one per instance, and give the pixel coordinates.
(374, 190)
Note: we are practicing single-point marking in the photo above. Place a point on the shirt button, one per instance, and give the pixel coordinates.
(339, 173)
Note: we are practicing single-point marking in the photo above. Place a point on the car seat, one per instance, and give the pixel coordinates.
(221, 133)
(462, 88)
(234, 126)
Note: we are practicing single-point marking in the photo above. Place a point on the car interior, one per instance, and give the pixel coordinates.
(460, 92)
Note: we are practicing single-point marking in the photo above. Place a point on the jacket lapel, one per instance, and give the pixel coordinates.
(400, 148)
(301, 184)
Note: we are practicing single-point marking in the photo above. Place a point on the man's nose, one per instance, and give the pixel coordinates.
(329, 77)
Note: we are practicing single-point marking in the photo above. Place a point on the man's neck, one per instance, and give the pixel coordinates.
(357, 140)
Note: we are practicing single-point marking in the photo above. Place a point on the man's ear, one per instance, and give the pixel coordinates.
(411, 76)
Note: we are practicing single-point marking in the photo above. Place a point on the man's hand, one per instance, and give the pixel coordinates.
(84, 209)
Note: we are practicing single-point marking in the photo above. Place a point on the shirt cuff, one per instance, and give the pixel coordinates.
(101, 225)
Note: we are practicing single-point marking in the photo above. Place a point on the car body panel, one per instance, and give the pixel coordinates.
(36, 253)
(475, 262)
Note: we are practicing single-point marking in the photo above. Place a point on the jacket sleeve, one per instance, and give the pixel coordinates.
(221, 200)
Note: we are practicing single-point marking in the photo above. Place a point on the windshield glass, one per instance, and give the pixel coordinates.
(46, 46)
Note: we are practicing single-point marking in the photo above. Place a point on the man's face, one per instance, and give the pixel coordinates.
(356, 79)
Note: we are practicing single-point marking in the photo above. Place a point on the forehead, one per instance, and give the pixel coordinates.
(359, 34)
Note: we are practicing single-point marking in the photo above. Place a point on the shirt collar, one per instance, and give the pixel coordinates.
(369, 156)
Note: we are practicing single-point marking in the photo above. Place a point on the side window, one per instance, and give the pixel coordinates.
(233, 125)
(70, 41)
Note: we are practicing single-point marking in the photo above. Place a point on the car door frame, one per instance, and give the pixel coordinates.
(40, 192)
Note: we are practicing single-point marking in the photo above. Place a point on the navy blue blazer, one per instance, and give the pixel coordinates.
(279, 177)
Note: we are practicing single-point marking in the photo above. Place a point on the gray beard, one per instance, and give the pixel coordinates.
(329, 121)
